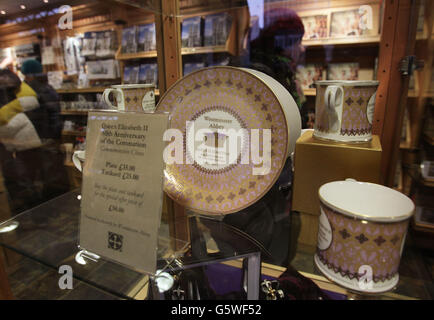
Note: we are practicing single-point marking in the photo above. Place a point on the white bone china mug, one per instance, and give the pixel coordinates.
(131, 97)
(344, 110)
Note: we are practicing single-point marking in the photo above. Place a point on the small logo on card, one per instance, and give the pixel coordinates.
(115, 241)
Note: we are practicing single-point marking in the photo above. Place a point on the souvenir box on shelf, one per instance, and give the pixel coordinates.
(106, 44)
(146, 38)
(191, 35)
(216, 29)
(102, 69)
(129, 40)
(356, 21)
(148, 73)
(89, 44)
(315, 27)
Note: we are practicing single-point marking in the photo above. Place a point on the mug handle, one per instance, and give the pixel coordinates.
(105, 96)
(77, 161)
(333, 98)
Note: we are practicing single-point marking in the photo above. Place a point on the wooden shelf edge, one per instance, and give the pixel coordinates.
(138, 55)
(202, 50)
(74, 112)
(342, 41)
(82, 90)
(91, 90)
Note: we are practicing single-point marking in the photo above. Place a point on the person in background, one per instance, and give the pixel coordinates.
(276, 52)
(30, 130)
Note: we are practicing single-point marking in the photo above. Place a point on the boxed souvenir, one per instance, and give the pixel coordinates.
(357, 21)
(315, 27)
(127, 72)
(72, 54)
(134, 74)
(148, 73)
(89, 44)
(308, 74)
(216, 29)
(106, 44)
(343, 71)
(191, 35)
(129, 40)
(102, 69)
(146, 38)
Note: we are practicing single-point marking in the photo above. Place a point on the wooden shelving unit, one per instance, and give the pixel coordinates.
(74, 112)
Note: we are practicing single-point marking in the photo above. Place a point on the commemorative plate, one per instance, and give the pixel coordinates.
(231, 135)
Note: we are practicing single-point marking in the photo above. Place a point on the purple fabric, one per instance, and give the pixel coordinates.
(224, 279)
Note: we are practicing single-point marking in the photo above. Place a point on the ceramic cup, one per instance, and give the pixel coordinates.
(344, 110)
(132, 97)
(78, 158)
(362, 230)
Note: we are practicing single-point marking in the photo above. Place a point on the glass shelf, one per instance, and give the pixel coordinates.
(48, 234)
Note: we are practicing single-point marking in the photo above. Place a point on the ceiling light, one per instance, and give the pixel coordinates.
(23, 7)
(45, 1)
(3, 12)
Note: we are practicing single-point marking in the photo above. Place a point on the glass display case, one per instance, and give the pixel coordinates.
(45, 238)
(170, 45)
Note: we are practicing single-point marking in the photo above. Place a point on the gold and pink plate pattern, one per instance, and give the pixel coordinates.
(223, 97)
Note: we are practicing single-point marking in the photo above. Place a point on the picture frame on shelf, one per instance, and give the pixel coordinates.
(102, 69)
(355, 21)
(343, 71)
(308, 74)
(315, 26)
